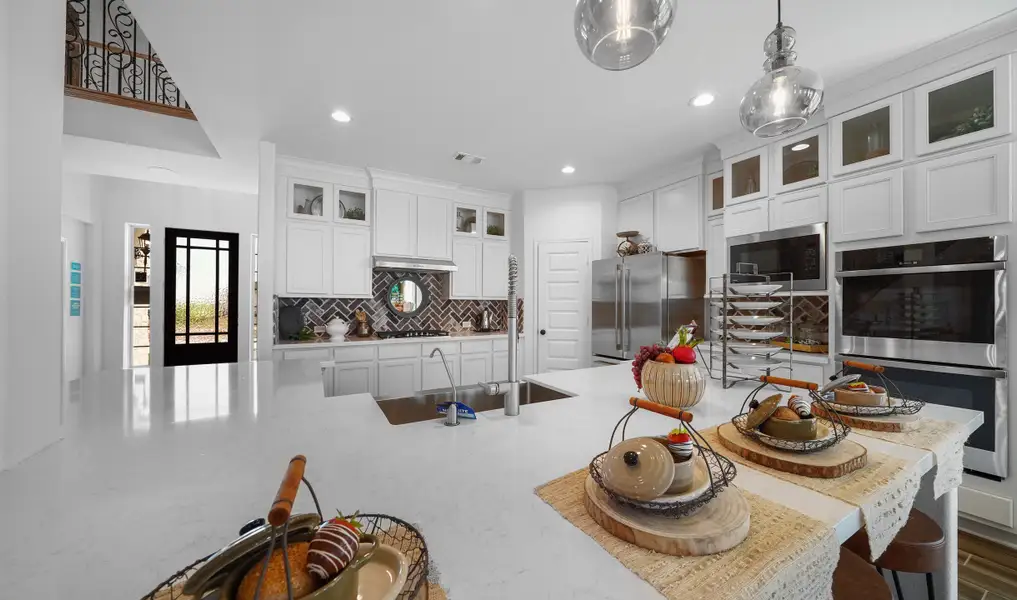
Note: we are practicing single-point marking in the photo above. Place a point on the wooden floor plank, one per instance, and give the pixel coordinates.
(969, 591)
(992, 577)
(997, 597)
(987, 549)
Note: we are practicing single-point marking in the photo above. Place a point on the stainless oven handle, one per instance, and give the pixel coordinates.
(628, 310)
(936, 368)
(987, 266)
(617, 306)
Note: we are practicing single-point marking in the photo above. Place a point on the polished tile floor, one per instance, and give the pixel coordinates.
(988, 571)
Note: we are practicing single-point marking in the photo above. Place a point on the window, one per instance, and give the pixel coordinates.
(140, 298)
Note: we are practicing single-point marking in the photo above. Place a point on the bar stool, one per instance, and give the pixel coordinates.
(854, 578)
(920, 547)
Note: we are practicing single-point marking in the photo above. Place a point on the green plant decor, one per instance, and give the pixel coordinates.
(495, 230)
(355, 214)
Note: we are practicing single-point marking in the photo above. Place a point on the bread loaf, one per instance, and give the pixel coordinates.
(274, 586)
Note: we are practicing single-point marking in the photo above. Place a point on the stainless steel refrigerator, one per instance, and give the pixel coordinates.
(641, 300)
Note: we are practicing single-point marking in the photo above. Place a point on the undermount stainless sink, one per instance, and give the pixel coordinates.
(423, 406)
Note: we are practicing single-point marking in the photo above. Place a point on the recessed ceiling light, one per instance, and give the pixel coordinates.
(799, 147)
(704, 99)
(342, 116)
(568, 169)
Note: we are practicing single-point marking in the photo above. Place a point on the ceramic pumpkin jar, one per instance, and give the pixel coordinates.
(675, 385)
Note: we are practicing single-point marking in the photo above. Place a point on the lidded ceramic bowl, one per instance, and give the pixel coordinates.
(641, 469)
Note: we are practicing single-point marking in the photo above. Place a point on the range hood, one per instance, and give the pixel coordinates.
(402, 263)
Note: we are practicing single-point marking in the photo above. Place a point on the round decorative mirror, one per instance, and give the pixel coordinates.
(407, 296)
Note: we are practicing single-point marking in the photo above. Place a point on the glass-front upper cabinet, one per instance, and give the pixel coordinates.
(310, 200)
(495, 224)
(963, 108)
(800, 161)
(352, 205)
(466, 220)
(867, 137)
(745, 177)
(715, 193)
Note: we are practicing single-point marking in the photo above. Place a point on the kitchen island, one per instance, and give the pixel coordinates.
(160, 467)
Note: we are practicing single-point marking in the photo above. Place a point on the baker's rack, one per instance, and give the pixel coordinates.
(741, 359)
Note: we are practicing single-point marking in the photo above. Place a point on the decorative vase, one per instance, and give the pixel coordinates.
(675, 385)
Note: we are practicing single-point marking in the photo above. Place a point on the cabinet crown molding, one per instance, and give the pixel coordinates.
(313, 169)
(659, 178)
(448, 190)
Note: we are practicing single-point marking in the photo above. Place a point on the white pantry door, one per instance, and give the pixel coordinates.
(563, 306)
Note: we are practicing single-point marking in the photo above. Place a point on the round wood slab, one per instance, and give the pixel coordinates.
(836, 461)
(887, 423)
(720, 525)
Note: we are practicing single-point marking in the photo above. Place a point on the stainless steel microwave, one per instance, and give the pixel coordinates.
(796, 252)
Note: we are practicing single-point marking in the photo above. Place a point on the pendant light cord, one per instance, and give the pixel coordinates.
(779, 23)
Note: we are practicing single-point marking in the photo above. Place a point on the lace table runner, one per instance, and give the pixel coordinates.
(945, 439)
(884, 490)
(786, 556)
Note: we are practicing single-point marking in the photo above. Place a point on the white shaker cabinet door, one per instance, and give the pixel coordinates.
(716, 249)
(747, 217)
(434, 227)
(398, 378)
(351, 262)
(964, 190)
(799, 208)
(679, 216)
(866, 208)
(475, 368)
(395, 223)
(433, 375)
(308, 259)
(355, 378)
(495, 270)
(636, 214)
(467, 255)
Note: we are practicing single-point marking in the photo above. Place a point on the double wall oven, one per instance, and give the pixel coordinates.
(934, 315)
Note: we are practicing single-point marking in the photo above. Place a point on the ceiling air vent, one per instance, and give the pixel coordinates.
(470, 159)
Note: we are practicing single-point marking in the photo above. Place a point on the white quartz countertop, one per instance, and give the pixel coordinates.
(160, 467)
(459, 336)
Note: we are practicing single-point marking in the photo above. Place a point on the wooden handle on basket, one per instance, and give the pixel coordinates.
(864, 366)
(660, 409)
(795, 383)
(283, 503)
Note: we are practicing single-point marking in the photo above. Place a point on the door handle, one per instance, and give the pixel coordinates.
(627, 317)
(617, 307)
(543, 332)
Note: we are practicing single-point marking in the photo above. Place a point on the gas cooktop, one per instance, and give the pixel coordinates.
(412, 333)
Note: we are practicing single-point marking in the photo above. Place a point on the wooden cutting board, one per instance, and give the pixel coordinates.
(836, 461)
(720, 525)
(895, 423)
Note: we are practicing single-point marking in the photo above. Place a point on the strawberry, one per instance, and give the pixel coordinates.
(350, 522)
(684, 355)
(678, 436)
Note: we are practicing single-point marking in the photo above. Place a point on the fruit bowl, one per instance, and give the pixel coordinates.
(676, 385)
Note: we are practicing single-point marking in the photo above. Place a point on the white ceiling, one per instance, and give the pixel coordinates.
(502, 79)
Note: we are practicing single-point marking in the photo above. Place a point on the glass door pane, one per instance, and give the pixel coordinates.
(800, 160)
(866, 136)
(717, 194)
(745, 177)
(308, 200)
(961, 108)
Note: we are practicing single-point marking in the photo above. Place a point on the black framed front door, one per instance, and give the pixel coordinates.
(202, 277)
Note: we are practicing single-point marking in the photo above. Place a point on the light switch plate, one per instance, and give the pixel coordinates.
(467, 324)
(319, 329)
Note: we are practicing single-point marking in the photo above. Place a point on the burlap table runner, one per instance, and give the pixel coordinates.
(786, 556)
(945, 439)
(884, 490)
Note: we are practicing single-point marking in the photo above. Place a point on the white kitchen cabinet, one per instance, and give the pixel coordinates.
(475, 368)
(355, 378)
(496, 224)
(799, 161)
(970, 106)
(395, 223)
(714, 192)
(964, 190)
(352, 205)
(867, 137)
(679, 216)
(308, 258)
(499, 366)
(310, 354)
(868, 207)
(746, 177)
(308, 200)
(433, 375)
(799, 208)
(495, 270)
(808, 372)
(467, 254)
(716, 247)
(468, 220)
(434, 228)
(398, 378)
(636, 214)
(351, 262)
(747, 217)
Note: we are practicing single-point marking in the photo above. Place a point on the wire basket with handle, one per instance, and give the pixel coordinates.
(897, 402)
(720, 469)
(838, 430)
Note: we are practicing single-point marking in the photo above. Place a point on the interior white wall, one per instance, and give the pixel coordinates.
(90, 119)
(32, 88)
(75, 234)
(119, 202)
(559, 214)
(266, 248)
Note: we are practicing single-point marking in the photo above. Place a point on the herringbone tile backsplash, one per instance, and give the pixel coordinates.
(438, 314)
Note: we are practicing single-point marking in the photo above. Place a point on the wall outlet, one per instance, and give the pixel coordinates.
(467, 324)
(318, 329)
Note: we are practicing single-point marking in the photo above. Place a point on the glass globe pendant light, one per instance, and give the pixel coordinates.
(786, 96)
(621, 34)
